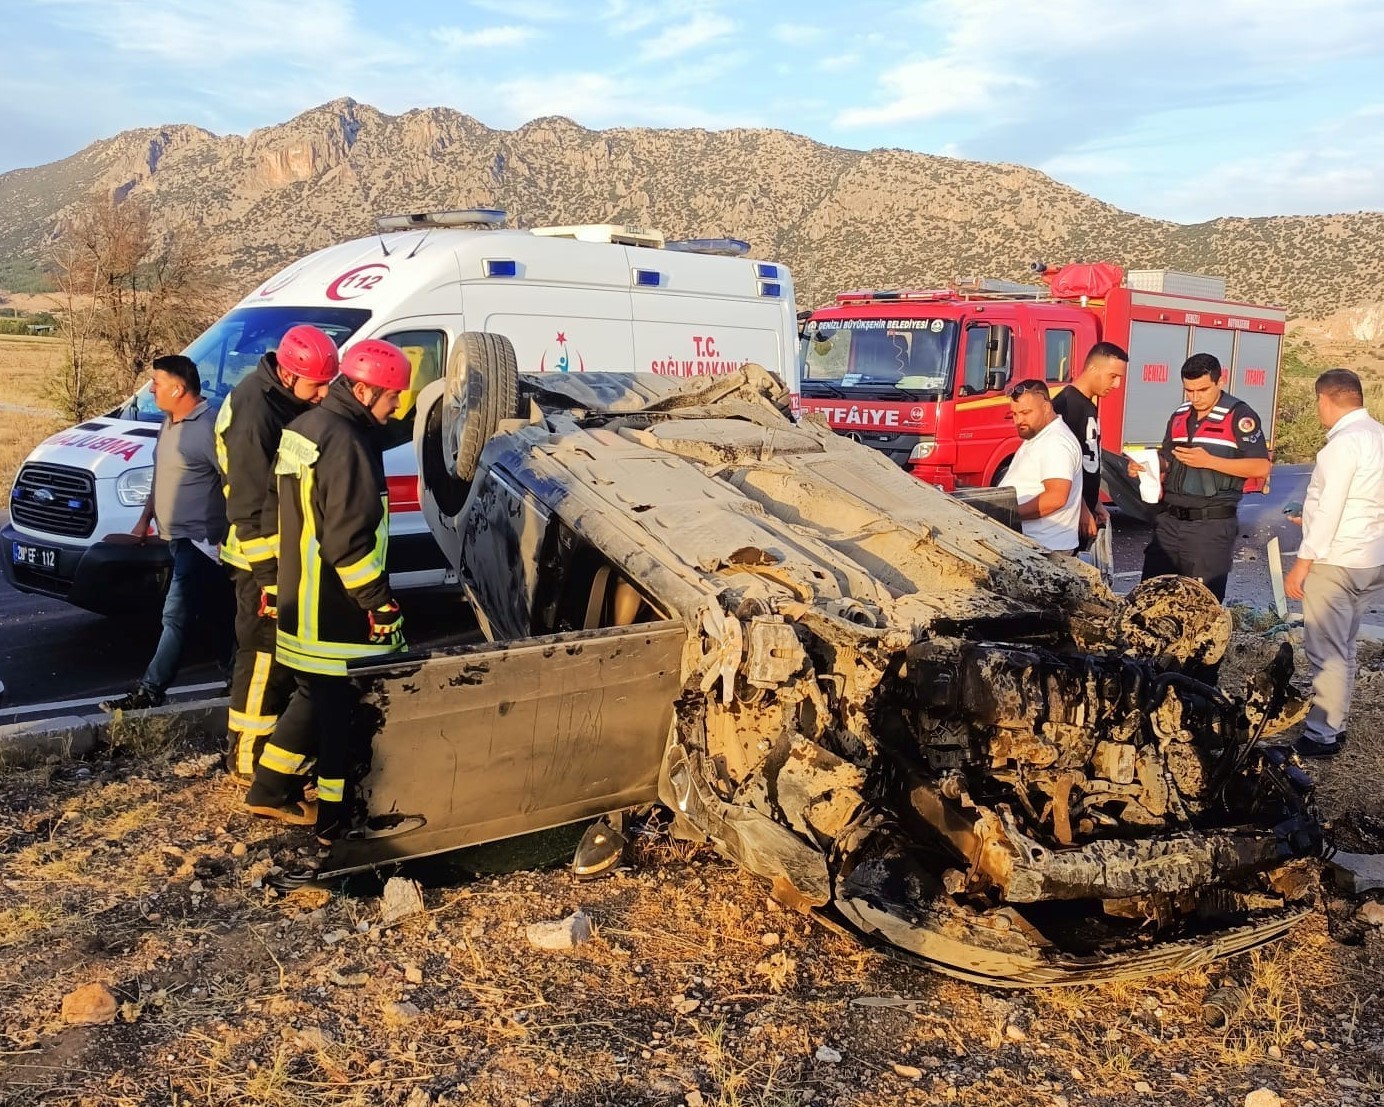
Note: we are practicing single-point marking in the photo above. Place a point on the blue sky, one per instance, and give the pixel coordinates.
(1180, 109)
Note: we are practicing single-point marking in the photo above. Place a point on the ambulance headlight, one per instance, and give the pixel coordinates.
(923, 450)
(132, 488)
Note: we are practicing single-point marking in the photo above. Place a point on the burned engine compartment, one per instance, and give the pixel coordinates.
(900, 714)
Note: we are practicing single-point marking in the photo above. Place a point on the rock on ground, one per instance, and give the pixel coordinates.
(1371, 913)
(401, 900)
(1263, 1097)
(1358, 872)
(565, 933)
(89, 1005)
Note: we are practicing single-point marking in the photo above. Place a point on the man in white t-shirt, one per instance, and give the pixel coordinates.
(1046, 472)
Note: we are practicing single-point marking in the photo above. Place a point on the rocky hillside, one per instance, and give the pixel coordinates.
(839, 218)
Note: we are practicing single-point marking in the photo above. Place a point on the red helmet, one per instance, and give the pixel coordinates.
(308, 353)
(379, 364)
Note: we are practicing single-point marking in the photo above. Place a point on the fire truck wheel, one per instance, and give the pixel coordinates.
(1000, 472)
(481, 392)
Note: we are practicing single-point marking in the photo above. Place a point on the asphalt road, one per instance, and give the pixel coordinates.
(50, 651)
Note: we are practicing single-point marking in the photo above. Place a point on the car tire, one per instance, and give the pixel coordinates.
(447, 489)
(481, 392)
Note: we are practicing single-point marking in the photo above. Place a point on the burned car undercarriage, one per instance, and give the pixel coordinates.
(903, 715)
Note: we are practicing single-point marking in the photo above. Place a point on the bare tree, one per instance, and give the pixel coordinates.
(152, 290)
(83, 387)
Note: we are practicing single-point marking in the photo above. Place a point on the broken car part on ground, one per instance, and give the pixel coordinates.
(901, 714)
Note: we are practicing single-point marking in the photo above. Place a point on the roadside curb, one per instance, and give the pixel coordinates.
(76, 735)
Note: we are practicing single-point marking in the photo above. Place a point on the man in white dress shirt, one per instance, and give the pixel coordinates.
(1340, 564)
(1046, 472)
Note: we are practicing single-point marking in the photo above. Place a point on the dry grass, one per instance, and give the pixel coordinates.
(26, 366)
(695, 986)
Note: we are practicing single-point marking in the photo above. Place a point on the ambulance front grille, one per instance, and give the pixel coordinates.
(54, 499)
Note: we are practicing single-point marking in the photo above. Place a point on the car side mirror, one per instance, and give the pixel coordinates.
(996, 379)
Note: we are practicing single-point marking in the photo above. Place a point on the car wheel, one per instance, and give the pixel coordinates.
(481, 392)
(448, 490)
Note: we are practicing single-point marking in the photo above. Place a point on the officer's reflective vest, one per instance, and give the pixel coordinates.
(1216, 434)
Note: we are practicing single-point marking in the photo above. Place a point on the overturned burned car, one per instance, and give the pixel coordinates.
(903, 715)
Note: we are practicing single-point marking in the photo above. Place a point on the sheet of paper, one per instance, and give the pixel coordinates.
(1150, 475)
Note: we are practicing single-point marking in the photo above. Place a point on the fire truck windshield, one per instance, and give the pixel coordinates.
(879, 358)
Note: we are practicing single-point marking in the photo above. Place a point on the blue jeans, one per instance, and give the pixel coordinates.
(197, 602)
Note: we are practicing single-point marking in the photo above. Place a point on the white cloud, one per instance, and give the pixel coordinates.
(797, 34)
(1113, 61)
(1339, 167)
(698, 31)
(599, 100)
(838, 63)
(462, 38)
(933, 88)
(532, 11)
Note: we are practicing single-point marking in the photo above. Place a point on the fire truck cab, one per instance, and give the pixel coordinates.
(924, 375)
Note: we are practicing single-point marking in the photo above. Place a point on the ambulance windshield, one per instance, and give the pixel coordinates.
(232, 346)
(879, 358)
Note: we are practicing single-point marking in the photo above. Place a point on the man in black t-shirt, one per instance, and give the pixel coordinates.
(1101, 374)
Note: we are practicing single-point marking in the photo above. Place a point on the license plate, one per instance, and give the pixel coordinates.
(42, 558)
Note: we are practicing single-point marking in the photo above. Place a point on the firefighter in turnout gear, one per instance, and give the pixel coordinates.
(1213, 444)
(283, 386)
(334, 601)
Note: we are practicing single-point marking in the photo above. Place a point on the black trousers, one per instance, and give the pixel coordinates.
(314, 730)
(260, 686)
(1200, 548)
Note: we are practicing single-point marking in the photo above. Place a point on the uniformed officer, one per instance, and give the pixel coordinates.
(334, 600)
(285, 384)
(1213, 444)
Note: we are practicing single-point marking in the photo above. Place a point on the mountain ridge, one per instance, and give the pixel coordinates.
(837, 217)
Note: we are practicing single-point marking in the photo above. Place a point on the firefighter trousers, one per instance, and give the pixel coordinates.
(315, 730)
(260, 686)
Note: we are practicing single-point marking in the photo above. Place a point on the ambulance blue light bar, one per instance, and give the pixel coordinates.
(648, 278)
(726, 247)
(501, 267)
(770, 288)
(766, 272)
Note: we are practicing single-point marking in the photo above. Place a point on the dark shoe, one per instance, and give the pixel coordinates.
(600, 850)
(1310, 747)
(293, 812)
(137, 699)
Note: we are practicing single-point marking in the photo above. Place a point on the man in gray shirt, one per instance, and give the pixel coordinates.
(189, 507)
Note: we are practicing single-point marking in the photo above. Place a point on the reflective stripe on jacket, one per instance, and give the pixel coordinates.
(248, 429)
(333, 536)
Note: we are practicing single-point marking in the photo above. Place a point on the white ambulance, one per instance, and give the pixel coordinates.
(602, 297)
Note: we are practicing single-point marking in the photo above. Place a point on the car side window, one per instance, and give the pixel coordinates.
(1057, 355)
(426, 351)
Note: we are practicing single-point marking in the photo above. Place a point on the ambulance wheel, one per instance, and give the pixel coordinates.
(481, 392)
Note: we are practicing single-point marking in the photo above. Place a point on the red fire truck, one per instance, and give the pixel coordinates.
(923, 375)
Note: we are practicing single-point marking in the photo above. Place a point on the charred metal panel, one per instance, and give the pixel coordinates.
(485, 743)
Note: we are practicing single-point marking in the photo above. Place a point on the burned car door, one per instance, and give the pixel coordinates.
(480, 743)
